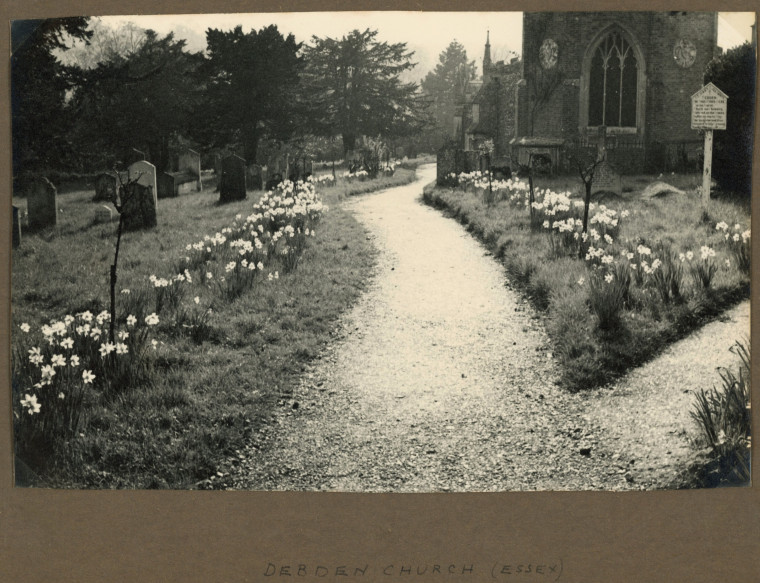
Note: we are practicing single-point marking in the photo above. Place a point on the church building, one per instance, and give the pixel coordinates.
(627, 74)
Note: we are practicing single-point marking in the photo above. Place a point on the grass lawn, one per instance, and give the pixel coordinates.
(205, 392)
(602, 328)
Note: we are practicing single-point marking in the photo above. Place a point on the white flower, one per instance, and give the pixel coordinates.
(581, 280)
(87, 377)
(30, 403)
(154, 343)
(74, 360)
(121, 348)
(609, 277)
(126, 291)
(131, 320)
(58, 360)
(209, 275)
(47, 374)
(721, 226)
(197, 300)
(123, 335)
(106, 348)
(67, 343)
(25, 328)
(151, 319)
(271, 277)
(61, 395)
(35, 356)
(689, 255)
(706, 252)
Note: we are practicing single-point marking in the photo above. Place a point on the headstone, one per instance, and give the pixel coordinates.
(190, 161)
(41, 203)
(145, 174)
(103, 214)
(166, 186)
(16, 227)
(606, 180)
(138, 207)
(255, 177)
(136, 155)
(232, 181)
(106, 187)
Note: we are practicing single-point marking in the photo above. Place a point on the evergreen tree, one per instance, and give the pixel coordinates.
(354, 88)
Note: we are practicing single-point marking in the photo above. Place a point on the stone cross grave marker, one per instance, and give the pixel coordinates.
(138, 207)
(606, 178)
(145, 174)
(16, 227)
(232, 182)
(41, 203)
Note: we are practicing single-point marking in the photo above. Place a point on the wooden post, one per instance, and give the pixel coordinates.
(707, 170)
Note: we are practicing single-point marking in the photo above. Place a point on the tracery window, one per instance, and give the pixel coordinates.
(613, 81)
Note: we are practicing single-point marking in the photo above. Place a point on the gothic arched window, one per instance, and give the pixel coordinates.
(613, 83)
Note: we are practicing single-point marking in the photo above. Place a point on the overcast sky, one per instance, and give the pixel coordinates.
(426, 33)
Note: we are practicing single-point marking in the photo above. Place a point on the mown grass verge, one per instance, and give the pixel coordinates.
(207, 392)
(597, 336)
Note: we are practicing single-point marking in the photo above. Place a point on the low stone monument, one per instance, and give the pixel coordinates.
(138, 207)
(106, 187)
(104, 214)
(606, 178)
(232, 180)
(41, 203)
(16, 238)
(145, 174)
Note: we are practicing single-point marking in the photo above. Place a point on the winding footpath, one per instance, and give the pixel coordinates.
(441, 379)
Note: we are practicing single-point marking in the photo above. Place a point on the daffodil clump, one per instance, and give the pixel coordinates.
(270, 239)
(360, 175)
(68, 362)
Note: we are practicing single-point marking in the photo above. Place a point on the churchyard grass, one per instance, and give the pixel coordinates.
(224, 359)
(654, 270)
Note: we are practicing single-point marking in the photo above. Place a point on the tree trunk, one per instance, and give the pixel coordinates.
(349, 143)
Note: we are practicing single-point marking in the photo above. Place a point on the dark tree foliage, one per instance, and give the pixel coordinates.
(734, 74)
(445, 87)
(39, 83)
(252, 89)
(354, 88)
(144, 99)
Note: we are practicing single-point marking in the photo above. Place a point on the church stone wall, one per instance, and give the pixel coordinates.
(668, 86)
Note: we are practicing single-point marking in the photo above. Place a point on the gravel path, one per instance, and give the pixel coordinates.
(440, 380)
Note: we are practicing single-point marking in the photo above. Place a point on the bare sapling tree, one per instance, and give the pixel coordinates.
(118, 202)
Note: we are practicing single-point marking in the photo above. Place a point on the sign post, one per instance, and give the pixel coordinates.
(708, 112)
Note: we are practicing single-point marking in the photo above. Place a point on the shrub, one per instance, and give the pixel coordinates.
(723, 418)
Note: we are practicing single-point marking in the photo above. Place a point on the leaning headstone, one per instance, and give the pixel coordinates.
(138, 207)
(145, 174)
(103, 214)
(41, 203)
(16, 227)
(106, 187)
(190, 161)
(232, 185)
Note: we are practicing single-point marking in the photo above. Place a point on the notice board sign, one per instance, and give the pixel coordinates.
(708, 109)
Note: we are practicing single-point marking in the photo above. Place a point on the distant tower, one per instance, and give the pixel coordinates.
(487, 55)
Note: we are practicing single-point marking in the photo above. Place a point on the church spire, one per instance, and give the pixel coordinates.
(487, 54)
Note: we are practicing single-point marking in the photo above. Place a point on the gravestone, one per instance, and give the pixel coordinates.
(106, 187)
(138, 207)
(41, 203)
(232, 181)
(16, 227)
(103, 214)
(136, 155)
(190, 161)
(165, 184)
(145, 174)
(255, 177)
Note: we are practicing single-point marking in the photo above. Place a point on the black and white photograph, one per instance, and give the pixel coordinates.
(382, 251)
